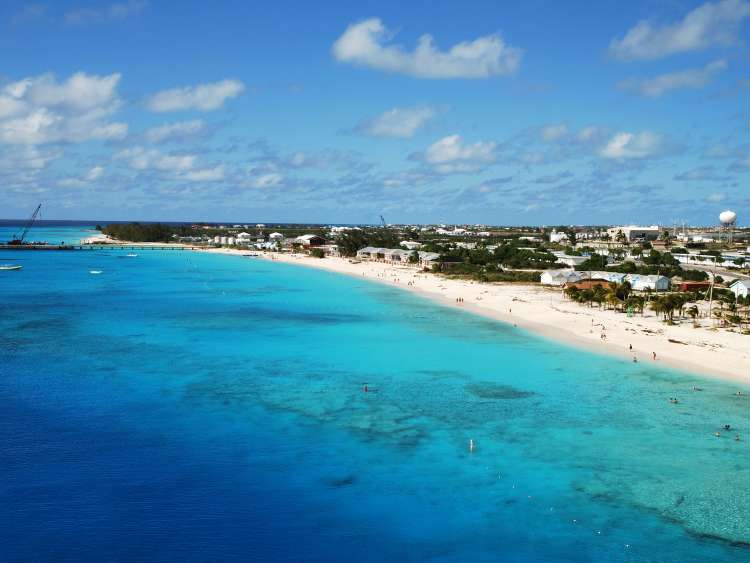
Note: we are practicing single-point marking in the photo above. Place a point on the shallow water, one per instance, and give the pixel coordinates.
(194, 407)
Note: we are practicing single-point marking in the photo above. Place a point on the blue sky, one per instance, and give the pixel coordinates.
(481, 112)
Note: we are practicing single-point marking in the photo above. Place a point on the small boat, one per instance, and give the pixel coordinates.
(95, 271)
(10, 266)
(131, 255)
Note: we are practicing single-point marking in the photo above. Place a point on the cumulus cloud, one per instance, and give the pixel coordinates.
(554, 132)
(267, 180)
(402, 123)
(169, 166)
(658, 85)
(77, 182)
(112, 12)
(625, 146)
(451, 154)
(204, 97)
(39, 110)
(710, 24)
(366, 44)
(214, 174)
(177, 132)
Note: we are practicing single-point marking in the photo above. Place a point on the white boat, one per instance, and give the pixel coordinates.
(131, 255)
(10, 267)
(95, 271)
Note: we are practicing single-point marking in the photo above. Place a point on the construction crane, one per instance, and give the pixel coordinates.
(19, 237)
(382, 220)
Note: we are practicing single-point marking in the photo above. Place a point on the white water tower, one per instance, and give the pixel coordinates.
(728, 220)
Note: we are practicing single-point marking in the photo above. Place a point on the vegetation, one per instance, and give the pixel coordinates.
(317, 253)
(654, 263)
(145, 232)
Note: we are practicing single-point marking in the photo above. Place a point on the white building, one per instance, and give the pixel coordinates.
(397, 255)
(560, 277)
(410, 244)
(740, 288)
(633, 233)
(653, 282)
(275, 236)
(569, 260)
(554, 236)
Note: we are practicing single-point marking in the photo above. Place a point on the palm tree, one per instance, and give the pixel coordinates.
(693, 313)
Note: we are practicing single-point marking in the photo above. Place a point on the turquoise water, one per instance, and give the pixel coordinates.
(193, 407)
(49, 233)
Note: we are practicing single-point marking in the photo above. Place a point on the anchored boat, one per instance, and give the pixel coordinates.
(10, 266)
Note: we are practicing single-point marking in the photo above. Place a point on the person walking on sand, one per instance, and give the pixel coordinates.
(654, 353)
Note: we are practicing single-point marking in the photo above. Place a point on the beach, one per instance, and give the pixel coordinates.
(545, 311)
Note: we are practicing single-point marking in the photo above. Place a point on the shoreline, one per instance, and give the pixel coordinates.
(543, 312)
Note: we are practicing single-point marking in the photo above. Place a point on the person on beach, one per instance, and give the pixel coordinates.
(654, 353)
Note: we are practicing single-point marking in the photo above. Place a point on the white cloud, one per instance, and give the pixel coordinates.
(267, 180)
(169, 166)
(91, 176)
(41, 110)
(623, 146)
(554, 132)
(363, 43)
(141, 159)
(214, 174)
(716, 197)
(175, 131)
(204, 97)
(658, 85)
(95, 173)
(707, 25)
(397, 122)
(111, 12)
(450, 154)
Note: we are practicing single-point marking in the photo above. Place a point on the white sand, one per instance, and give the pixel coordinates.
(717, 353)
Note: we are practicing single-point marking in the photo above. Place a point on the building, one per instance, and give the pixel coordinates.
(410, 244)
(588, 284)
(569, 260)
(634, 233)
(275, 236)
(740, 288)
(398, 256)
(643, 282)
(310, 240)
(691, 286)
(559, 238)
(560, 277)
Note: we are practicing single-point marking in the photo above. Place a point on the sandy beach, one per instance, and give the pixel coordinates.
(715, 353)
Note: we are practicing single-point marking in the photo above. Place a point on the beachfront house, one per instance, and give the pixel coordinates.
(397, 256)
(310, 241)
(740, 288)
(275, 236)
(559, 278)
(641, 282)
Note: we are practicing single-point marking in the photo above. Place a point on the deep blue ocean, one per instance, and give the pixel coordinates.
(191, 407)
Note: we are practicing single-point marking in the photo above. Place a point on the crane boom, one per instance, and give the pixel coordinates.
(19, 238)
(382, 220)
